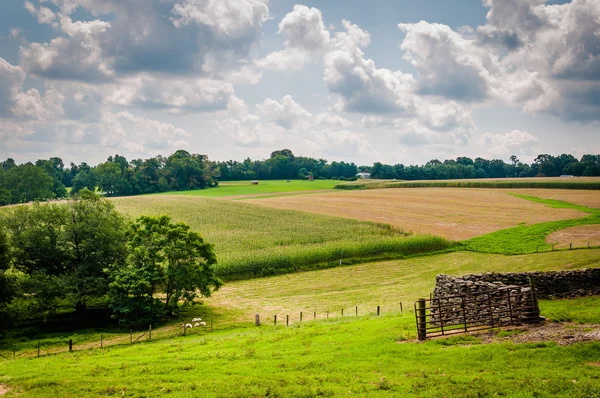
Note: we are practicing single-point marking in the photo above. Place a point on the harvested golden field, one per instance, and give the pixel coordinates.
(454, 213)
(579, 236)
(581, 197)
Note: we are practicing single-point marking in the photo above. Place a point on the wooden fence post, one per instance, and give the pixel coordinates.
(421, 319)
(38, 348)
(287, 320)
(535, 312)
(401, 306)
(356, 308)
(342, 312)
(275, 320)
(300, 316)
(257, 320)
(378, 308)
(100, 340)
(327, 314)
(150, 332)
(315, 315)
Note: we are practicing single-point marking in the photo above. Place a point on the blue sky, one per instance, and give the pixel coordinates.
(392, 81)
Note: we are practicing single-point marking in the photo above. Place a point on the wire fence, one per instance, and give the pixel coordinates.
(546, 248)
(40, 348)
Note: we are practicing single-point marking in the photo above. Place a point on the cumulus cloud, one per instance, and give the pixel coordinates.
(285, 122)
(449, 64)
(43, 14)
(306, 38)
(362, 87)
(173, 95)
(504, 145)
(209, 38)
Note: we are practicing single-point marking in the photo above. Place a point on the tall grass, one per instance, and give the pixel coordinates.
(253, 241)
(506, 183)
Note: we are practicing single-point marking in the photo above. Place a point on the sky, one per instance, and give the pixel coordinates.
(395, 81)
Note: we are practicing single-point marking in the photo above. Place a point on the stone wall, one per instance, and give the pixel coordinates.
(468, 300)
(550, 284)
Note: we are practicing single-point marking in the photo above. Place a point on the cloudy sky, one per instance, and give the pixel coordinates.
(398, 81)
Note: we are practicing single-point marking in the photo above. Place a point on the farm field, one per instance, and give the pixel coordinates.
(592, 183)
(380, 283)
(255, 241)
(454, 213)
(579, 236)
(264, 187)
(365, 355)
(590, 198)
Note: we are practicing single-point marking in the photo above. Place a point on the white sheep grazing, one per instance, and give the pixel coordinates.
(196, 324)
(196, 319)
(188, 325)
(202, 323)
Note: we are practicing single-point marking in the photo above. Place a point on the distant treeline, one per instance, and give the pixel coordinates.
(48, 179)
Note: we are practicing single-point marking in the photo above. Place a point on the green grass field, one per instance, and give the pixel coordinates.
(367, 286)
(532, 238)
(255, 241)
(264, 187)
(364, 356)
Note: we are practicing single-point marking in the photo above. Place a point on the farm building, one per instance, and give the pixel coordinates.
(364, 175)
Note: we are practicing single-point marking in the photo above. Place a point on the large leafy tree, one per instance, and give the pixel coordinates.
(64, 252)
(165, 258)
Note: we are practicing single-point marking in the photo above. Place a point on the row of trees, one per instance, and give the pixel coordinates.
(47, 179)
(463, 167)
(68, 256)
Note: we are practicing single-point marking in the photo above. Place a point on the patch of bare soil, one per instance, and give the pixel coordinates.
(579, 236)
(3, 389)
(561, 333)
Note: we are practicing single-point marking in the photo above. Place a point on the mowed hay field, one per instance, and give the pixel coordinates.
(253, 241)
(368, 285)
(579, 236)
(454, 213)
(581, 197)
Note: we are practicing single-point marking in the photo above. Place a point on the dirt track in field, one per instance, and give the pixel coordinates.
(562, 333)
(579, 236)
(455, 213)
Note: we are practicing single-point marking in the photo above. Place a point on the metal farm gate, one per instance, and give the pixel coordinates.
(463, 313)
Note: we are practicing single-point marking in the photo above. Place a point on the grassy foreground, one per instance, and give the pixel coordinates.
(364, 356)
(366, 286)
(253, 241)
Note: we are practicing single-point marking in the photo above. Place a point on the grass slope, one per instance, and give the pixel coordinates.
(367, 286)
(365, 357)
(253, 241)
(532, 238)
(241, 188)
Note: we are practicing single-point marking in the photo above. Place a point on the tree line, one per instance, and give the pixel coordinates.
(49, 179)
(82, 253)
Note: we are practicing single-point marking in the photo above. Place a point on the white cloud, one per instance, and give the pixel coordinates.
(174, 95)
(505, 145)
(207, 38)
(306, 39)
(362, 87)
(449, 64)
(44, 14)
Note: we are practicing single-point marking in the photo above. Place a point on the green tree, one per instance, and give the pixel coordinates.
(165, 258)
